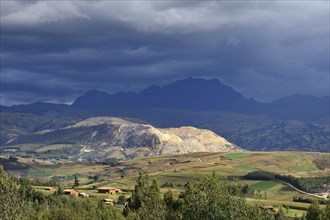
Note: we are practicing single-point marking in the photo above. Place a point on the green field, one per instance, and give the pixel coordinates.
(233, 156)
(52, 147)
(263, 185)
(246, 167)
(182, 168)
(293, 213)
(27, 147)
(40, 173)
(177, 170)
(300, 164)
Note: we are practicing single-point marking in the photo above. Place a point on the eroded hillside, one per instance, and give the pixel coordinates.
(98, 138)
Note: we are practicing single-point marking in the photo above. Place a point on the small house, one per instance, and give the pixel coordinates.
(49, 188)
(268, 208)
(71, 192)
(109, 190)
(121, 205)
(109, 202)
(82, 194)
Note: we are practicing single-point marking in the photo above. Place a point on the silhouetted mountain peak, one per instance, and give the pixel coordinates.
(191, 82)
(301, 107)
(301, 99)
(198, 87)
(150, 90)
(190, 93)
(94, 93)
(37, 108)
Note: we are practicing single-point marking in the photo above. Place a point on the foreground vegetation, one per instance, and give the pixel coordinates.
(23, 202)
(203, 198)
(173, 172)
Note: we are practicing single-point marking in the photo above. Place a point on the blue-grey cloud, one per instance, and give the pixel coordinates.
(56, 50)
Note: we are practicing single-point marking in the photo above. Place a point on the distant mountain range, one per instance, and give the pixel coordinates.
(191, 94)
(188, 94)
(298, 122)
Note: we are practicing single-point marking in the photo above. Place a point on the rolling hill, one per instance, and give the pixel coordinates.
(99, 138)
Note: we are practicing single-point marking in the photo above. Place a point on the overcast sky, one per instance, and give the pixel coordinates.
(56, 50)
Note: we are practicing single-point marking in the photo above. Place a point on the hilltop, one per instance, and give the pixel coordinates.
(98, 138)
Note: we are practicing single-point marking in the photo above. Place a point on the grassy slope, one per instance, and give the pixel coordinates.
(17, 124)
(253, 132)
(181, 168)
(178, 169)
(263, 185)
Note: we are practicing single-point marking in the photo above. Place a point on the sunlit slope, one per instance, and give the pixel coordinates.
(98, 138)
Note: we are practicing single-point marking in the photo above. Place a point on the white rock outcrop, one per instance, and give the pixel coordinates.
(138, 139)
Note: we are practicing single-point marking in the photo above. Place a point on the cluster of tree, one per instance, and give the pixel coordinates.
(62, 178)
(124, 170)
(167, 185)
(23, 202)
(322, 163)
(98, 177)
(26, 181)
(312, 184)
(76, 182)
(12, 163)
(204, 198)
(240, 190)
(60, 207)
(10, 198)
(233, 189)
(109, 161)
(308, 200)
(121, 200)
(315, 184)
(260, 175)
(58, 154)
(314, 212)
(171, 185)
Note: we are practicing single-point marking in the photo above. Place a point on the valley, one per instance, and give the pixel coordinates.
(174, 171)
(164, 110)
(264, 153)
(185, 166)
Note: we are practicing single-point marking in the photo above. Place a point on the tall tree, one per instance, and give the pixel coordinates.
(140, 191)
(326, 214)
(146, 202)
(11, 202)
(314, 212)
(76, 181)
(208, 198)
(280, 214)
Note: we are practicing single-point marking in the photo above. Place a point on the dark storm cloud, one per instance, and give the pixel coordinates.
(56, 50)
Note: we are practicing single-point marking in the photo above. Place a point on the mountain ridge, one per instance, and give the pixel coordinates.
(192, 94)
(105, 137)
(243, 121)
